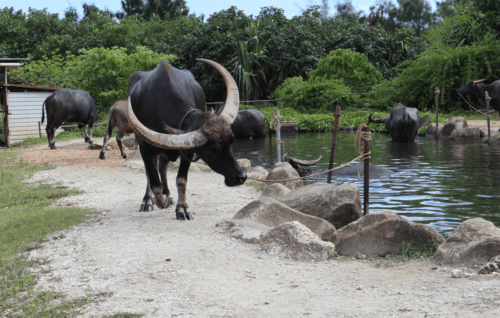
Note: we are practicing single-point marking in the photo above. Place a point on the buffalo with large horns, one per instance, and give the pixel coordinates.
(297, 164)
(403, 123)
(248, 123)
(478, 88)
(166, 110)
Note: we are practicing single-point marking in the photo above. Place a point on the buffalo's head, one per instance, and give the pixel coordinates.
(212, 142)
(472, 87)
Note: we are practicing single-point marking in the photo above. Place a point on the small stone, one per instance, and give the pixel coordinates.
(361, 256)
(456, 273)
(168, 260)
(495, 274)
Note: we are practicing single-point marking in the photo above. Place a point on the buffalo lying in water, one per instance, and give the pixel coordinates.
(297, 164)
(166, 110)
(403, 123)
(248, 123)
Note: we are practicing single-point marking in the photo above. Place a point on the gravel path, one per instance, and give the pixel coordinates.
(152, 264)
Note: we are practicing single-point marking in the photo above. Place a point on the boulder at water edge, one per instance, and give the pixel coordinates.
(339, 205)
(275, 191)
(431, 131)
(466, 133)
(453, 124)
(273, 213)
(381, 234)
(475, 240)
(283, 171)
(293, 240)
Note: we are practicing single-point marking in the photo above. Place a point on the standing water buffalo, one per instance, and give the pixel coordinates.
(117, 119)
(171, 122)
(403, 123)
(69, 105)
(248, 123)
(478, 88)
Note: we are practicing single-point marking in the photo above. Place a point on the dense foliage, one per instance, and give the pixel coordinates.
(409, 48)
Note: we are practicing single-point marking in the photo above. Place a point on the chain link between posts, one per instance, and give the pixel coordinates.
(361, 136)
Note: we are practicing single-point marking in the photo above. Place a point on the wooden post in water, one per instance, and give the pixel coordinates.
(366, 150)
(334, 142)
(436, 92)
(278, 137)
(487, 98)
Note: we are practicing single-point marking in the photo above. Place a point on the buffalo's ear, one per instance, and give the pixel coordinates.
(424, 121)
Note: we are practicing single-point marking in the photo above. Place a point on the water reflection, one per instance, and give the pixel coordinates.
(440, 183)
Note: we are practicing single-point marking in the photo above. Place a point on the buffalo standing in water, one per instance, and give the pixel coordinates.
(72, 106)
(171, 122)
(403, 123)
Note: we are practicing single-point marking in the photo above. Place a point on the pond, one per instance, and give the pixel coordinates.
(439, 183)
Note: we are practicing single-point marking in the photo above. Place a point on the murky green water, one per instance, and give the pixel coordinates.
(437, 183)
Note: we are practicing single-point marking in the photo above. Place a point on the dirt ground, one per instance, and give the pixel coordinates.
(152, 264)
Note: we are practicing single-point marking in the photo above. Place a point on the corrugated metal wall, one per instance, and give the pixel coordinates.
(25, 111)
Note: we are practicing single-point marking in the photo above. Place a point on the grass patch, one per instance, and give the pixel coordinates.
(206, 169)
(407, 251)
(26, 219)
(256, 185)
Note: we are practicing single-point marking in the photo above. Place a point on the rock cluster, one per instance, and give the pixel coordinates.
(455, 128)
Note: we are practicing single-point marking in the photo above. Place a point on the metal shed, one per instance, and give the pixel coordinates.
(22, 107)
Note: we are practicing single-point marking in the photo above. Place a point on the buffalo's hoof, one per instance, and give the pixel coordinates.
(168, 202)
(171, 201)
(146, 208)
(101, 156)
(87, 140)
(53, 147)
(183, 216)
(124, 156)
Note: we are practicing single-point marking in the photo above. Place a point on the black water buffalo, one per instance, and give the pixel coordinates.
(297, 164)
(403, 123)
(117, 119)
(477, 88)
(72, 106)
(171, 122)
(248, 123)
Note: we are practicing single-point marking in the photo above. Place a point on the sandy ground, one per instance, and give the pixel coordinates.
(152, 264)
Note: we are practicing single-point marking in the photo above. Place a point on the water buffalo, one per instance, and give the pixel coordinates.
(72, 106)
(117, 119)
(297, 164)
(248, 123)
(477, 88)
(171, 122)
(403, 123)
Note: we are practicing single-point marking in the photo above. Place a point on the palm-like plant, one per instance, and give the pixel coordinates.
(248, 63)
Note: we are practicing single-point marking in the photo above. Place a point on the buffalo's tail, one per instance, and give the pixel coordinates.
(43, 107)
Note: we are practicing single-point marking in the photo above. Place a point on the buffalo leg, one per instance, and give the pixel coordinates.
(51, 135)
(162, 167)
(154, 183)
(181, 211)
(106, 139)
(121, 133)
(91, 141)
(147, 201)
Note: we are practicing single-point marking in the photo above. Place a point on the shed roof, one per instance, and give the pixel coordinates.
(36, 88)
(6, 60)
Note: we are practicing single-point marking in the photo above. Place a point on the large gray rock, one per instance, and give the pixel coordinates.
(245, 230)
(381, 234)
(453, 124)
(275, 191)
(273, 213)
(283, 171)
(129, 141)
(245, 164)
(475, 240)
(466, 133)
(431, 131)
(293, 240)
(339, 205)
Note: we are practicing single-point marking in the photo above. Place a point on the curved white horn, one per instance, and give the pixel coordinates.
(167, 141)
(480, 81)
(233, 96)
